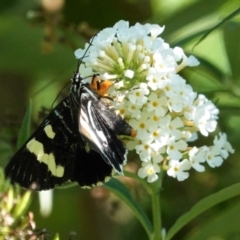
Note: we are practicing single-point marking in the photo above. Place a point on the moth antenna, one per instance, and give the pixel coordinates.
(84, 55)
(43, 87)
(78, 65)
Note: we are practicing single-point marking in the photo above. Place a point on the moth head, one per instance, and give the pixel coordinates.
(100, 86)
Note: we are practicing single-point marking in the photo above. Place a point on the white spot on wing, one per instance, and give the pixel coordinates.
(36, 148)
(49, 131)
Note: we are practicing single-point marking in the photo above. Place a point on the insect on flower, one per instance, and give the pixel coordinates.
(78, 141)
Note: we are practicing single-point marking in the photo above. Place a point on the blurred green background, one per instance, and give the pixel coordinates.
(37, 43)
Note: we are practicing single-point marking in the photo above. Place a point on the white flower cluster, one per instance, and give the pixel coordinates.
(155, 100)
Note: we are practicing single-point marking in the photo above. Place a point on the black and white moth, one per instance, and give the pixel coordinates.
(78, 141)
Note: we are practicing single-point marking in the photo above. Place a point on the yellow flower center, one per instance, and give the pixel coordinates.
(171, 147)
(150, 171)
(176, 169)
(155, 104)
(155, 134)
(122, 111)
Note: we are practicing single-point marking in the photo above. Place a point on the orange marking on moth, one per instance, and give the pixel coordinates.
(100, 87)
(133, 133)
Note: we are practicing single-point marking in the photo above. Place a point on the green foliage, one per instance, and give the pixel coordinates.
(202, 206)
(122, 192)
(15, 223)
(24, 132)
(38, 53)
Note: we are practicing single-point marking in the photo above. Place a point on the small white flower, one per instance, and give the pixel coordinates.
(164, 64)
(141, 126)
(205, 124)
(129, 73)
(179, 54)
(155, 79)
(223, 144)
(175, 148)
(137, 96)
(188, 136)
(159, 140)
(157, 104)
(144, 156)
(175, 104)
(205, 115)
(182, 90)
(178, 169)
(79, 53)
(155, 30)
(150, 171)
(120, 108)
(186, 61)
(196, 157)
(192, 61)
(133, 110)
(172, 126)
(156, 157)
(117, 85)
(145, 150)
(213, 157)
(153, 121)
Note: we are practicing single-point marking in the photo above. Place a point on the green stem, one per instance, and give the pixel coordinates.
(156, 209)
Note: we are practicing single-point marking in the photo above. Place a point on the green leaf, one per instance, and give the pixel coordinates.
(209, 68)
(202, 206)
(230, 16)
(219, 225)
(122, 192)
(229, 110)
(187, 14)
(186, 39)
(24, 132)
(22, 206)
(231, 33)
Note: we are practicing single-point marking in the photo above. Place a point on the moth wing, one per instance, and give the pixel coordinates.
(95, 125)
(47, 158)
(90, 169)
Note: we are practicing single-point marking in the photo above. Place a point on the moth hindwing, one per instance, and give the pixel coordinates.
(78, 141)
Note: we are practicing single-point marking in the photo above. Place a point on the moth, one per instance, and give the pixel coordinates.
(78, 141)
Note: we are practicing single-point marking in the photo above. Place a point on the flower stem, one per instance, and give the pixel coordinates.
(156, 210)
